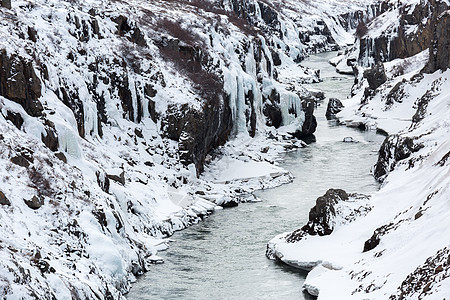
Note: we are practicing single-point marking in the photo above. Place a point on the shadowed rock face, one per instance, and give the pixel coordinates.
(394, 149)
(321, 216)
(439, 57)
(197, 131)
(334, 106)
(431, 30)
(5, 3)
(4, 200)
(375, 76)
(19, 83)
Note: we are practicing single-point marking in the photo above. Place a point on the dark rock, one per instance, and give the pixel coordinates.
(149, 90)
(4, 200)
(400, 43)
(138, 133)
(34, 203)
(50, 139)
(396, 93)
(197, 131)
(321, 216)
(15, 118)
(394, 149)
(334, 106)
(61, 156)
(152, 110)
(149, 164)
(439, 56)
(122, 25)
(375, 76)
(319, 95)
(273, 114)
(275, 58)
(377, 234)
(20, 160)
(310, 123)
(32, 34)
(269, 15)
(6, 3)
(72, 100)
(272, 110)
(19, 83)
(100, 215)
(118, 178)
(229, 204)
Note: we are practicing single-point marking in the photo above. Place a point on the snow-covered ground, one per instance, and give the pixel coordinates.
(406, 234)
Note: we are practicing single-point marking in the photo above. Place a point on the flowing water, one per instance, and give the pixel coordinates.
(224, 256)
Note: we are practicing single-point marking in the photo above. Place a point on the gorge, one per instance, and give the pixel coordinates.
(122, 123)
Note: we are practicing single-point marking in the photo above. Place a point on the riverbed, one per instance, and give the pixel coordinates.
(223, 257)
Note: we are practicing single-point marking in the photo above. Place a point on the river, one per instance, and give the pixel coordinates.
(224, 256)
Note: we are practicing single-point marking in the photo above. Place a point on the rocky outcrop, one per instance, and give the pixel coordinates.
(401, 42)
(321, 216)
(19, 83)
(272, 110)
(334, 106)
(197, 131)
(394, 149)
(34, 203)
(375, 76)
(5, 3)
(439, 58)
(420, 283)
(310, 124)
(4, 200)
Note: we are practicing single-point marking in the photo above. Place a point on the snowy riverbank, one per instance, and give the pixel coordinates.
(399, 248)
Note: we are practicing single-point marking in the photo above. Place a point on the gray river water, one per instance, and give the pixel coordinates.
(224, 256)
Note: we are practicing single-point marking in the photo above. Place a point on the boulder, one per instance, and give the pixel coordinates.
(4, 200)
(6, 3)
(310, 123)
(20, 160)
(34, 203)
(394, 149)
(15, 118)
(334, 106)
(230, 203)
(375, 76)
(321, 216)
(61, 156)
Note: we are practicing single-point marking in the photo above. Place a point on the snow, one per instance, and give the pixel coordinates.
(395, 117)
(413, 198)
(98, 240)
(235, 169)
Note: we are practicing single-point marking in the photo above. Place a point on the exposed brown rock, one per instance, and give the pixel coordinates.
(6, 3)
(4, 200)
(19, 83)
(34, 203)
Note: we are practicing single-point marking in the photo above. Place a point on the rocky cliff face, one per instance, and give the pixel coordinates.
(402, 31)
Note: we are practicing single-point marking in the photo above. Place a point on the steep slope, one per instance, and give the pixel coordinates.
(398, 247)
